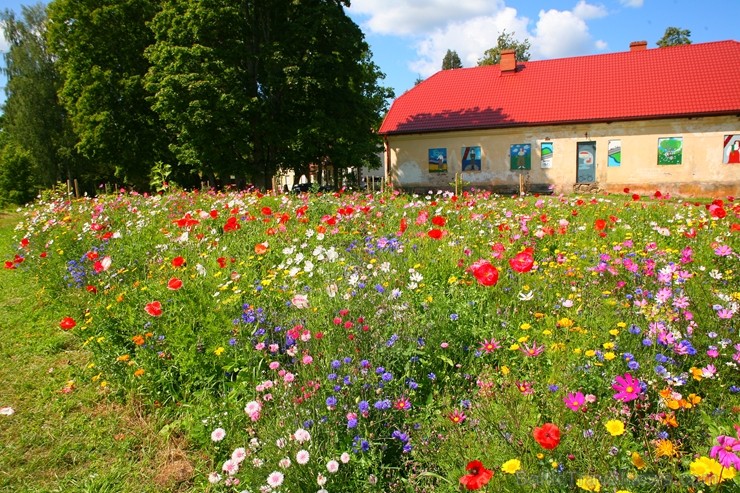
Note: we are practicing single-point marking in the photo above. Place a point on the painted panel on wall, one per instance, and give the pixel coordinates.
(438, 160)
(521, 156)
(670, 150)
(615, 153)
(546, 155)
(732, 149)
(471, 158)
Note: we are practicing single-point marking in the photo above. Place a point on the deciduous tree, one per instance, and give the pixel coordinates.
(674, 36)
(506, 41)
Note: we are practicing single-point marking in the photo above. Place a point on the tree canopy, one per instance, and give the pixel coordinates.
(505, 41)
(35, 126)
(451, 60)
(674, 36)
(209, 88)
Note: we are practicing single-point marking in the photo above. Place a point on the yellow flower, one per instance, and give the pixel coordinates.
(219, 351)
(590, 353)
(614, 427)
(609, 356)
(637, 461)
(525, 326)
(511, 466)
(589, 483)
(623, 491)
(505, 370)
(514, 347)
(665, 448)
(710, 471)
(139, 372)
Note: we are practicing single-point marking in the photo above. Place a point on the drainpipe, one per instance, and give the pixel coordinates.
(387, 146)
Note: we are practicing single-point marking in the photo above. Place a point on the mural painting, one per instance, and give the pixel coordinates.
(615, 153)
(471, 158)
(438, 160)
(546, 155)
(731, 153)
(670, 150)
(521, 156)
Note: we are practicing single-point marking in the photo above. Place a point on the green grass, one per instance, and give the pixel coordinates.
(83, 441)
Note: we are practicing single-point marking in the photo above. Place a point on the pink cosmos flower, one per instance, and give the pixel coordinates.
(575, 401)
(627, 387)
(726, 452)
(238, 455)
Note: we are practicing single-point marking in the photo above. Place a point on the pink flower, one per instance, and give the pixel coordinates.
(628, 388)
(726, 451)
(218, 434)
(574, 401)
(230, 467)
(332, 466)
(302, 457)
(275, 479)
(238, 455)
(532, 351)
(300, 301)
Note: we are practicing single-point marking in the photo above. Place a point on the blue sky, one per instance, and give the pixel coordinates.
(410, 37)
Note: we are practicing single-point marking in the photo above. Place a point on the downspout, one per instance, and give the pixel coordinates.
(387, 146)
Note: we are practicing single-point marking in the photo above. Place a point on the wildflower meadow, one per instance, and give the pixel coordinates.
(375, 342)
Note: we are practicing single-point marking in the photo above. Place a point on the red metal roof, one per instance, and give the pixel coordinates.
(678, 81)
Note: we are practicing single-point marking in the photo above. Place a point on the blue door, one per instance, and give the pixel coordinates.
(586, 172)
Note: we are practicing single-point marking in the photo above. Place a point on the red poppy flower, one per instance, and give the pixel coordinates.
(91, 289)
(174, 284)
(178, 262)
(186, 221)
(735, 227)
(478, 476)
(221, 262)
(154, 308)
(548, 436)
(438, 221)
(717, 211)
(266, 211)
(435, 233)
(626, 190)
(67, 323)
(404, 225)
(522, 261)
(599, 225)
(232, 224)
(635, 197)
(24, 242)
(261, 248)
(484, 272)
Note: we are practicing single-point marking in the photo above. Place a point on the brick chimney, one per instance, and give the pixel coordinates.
(638, 45)
(508, 61)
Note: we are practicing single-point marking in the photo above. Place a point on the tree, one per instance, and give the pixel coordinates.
(36, 127)
(247, 88)
(100, 50)
(674, 36)
(506, 41)
(451, 60)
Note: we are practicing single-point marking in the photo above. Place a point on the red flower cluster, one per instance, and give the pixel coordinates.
(484, 272)
(523, 261)
(477, 477)
(547, 435)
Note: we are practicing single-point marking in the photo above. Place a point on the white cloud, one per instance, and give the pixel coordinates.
(632, 3)
(414, 17)
(587, 11)
(470, 27)
(468, 38)
(559, 34)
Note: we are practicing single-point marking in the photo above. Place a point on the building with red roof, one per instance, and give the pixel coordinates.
(646, 119)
